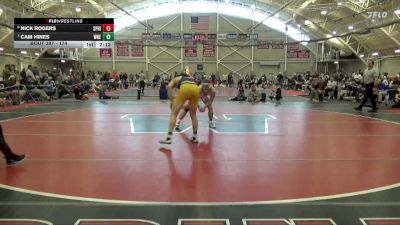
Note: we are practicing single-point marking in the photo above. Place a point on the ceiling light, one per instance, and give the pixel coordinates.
(62, 61)
(334, 32)
(324, 12)
(78, 9)
(298, 25)
(397, 11)
(62, 1)
(54, 68)
(351, 27)
(397, 51)
(307, 23)
(24, 52)
(375, 54)
(70, 70)
(336, 62)
(37, 53)
(1, 49)
(362, 56)
(339, 3)
(57, 51)
(1, 12)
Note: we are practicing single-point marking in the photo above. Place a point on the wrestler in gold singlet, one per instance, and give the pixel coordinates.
(188, 91)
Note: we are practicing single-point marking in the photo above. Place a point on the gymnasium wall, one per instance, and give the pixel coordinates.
(389, 65)
(231, 58)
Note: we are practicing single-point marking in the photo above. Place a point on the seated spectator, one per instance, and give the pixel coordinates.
(317, 88)
(276, 94)
(101, 89)
(254, 95)
(331, 88)
(240, 95)
(397, 99)
(49, 86)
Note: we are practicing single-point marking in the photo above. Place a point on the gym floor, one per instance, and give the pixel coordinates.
(99, 162)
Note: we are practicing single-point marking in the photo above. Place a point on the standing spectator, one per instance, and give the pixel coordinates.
(280, 78)
(30, 77)
(6, 73)
(142, 82)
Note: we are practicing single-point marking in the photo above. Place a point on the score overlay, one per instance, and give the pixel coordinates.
(64, 33)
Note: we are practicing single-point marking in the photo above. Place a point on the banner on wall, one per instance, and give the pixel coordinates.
(167, 36)
(231, 36)
(221, 36)
(253, 36)
(188, 36)
(156, 36)
(190, 49)
(277, 45)
(177, 36)
(146, 35)
(105, 52)
(137, 48)
(304, 54)
(242, 36)
(122, 49)
(262, 44)
(301, 54)
(211, 36)
(292, 54)
(199, 36)
(293, 46)
(208, 48)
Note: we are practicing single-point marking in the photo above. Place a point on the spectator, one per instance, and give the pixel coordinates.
(240, 96)
(254, 95)
(370, 79)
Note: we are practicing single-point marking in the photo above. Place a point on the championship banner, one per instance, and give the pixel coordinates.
(105, 52)
(199, 36)
(277, 45)
(137, 48)
(190, 49)
(262, 44)
(122, 49)
(293, 46)
(304, 54)
(208, 48)
(292, 54)
(167, 36)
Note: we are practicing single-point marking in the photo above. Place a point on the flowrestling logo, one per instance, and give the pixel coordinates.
(377, 15)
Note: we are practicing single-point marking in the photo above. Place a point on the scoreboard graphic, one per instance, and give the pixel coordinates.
(63, 33)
